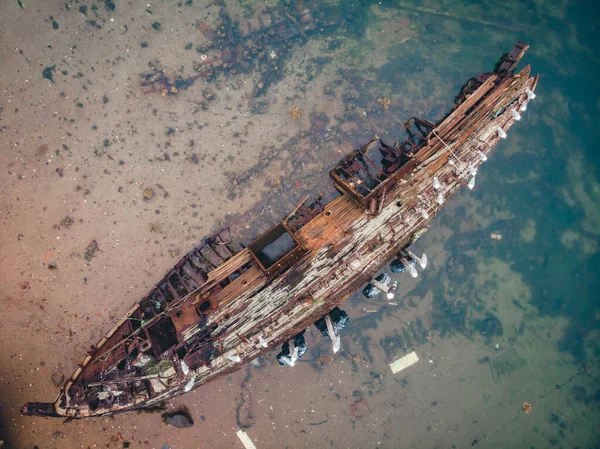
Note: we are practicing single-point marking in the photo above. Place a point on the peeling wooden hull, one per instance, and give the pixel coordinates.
(222, 306)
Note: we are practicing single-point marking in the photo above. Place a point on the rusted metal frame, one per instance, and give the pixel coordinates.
(509, 61)
(220, 250)
(347, 183)
(209, 255)
(286, 262)
(304, 214)
(290, 215)
(341, 185)
(123, 380)
(192, 273)
(175, 304)
(421, 122)
(378, 172)
(405, 170)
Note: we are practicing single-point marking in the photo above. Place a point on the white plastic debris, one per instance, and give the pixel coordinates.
(436, 183)
(471, 183)
(501, 133)
(404, 362)
(331, 331)
(293, 353)
(472, 170)
(482, 156)
(184, 368)
(425, 214)
(423, 261)
(235, 358)
(440, 199)
(291, 361)
(530, 94)
(523, 107)
(514, 114)
(245, 439)
(392, 290)
(337, 343)
(189, 385)
(412, 270)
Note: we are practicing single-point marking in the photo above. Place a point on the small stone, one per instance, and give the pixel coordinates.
(57, 436)
(90, 250)
(57, 379)
(149, 193)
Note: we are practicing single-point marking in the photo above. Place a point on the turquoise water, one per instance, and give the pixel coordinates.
(540, 191)
(545, 176)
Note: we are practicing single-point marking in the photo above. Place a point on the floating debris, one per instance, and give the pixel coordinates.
(404, 362)
(245, 439)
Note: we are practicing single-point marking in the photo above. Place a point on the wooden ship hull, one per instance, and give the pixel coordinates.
(225, 304)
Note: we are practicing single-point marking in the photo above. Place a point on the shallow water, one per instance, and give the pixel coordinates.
(507, 311)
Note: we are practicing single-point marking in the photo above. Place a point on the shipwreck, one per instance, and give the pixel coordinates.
(227, 302)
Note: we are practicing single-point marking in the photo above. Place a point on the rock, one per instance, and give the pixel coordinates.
(57, 379)
(90, 250)
(57, 436)
(179, 418)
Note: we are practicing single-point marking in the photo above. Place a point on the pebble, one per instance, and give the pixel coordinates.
(57, 436)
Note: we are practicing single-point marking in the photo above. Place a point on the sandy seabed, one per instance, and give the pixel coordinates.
(77, 153)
